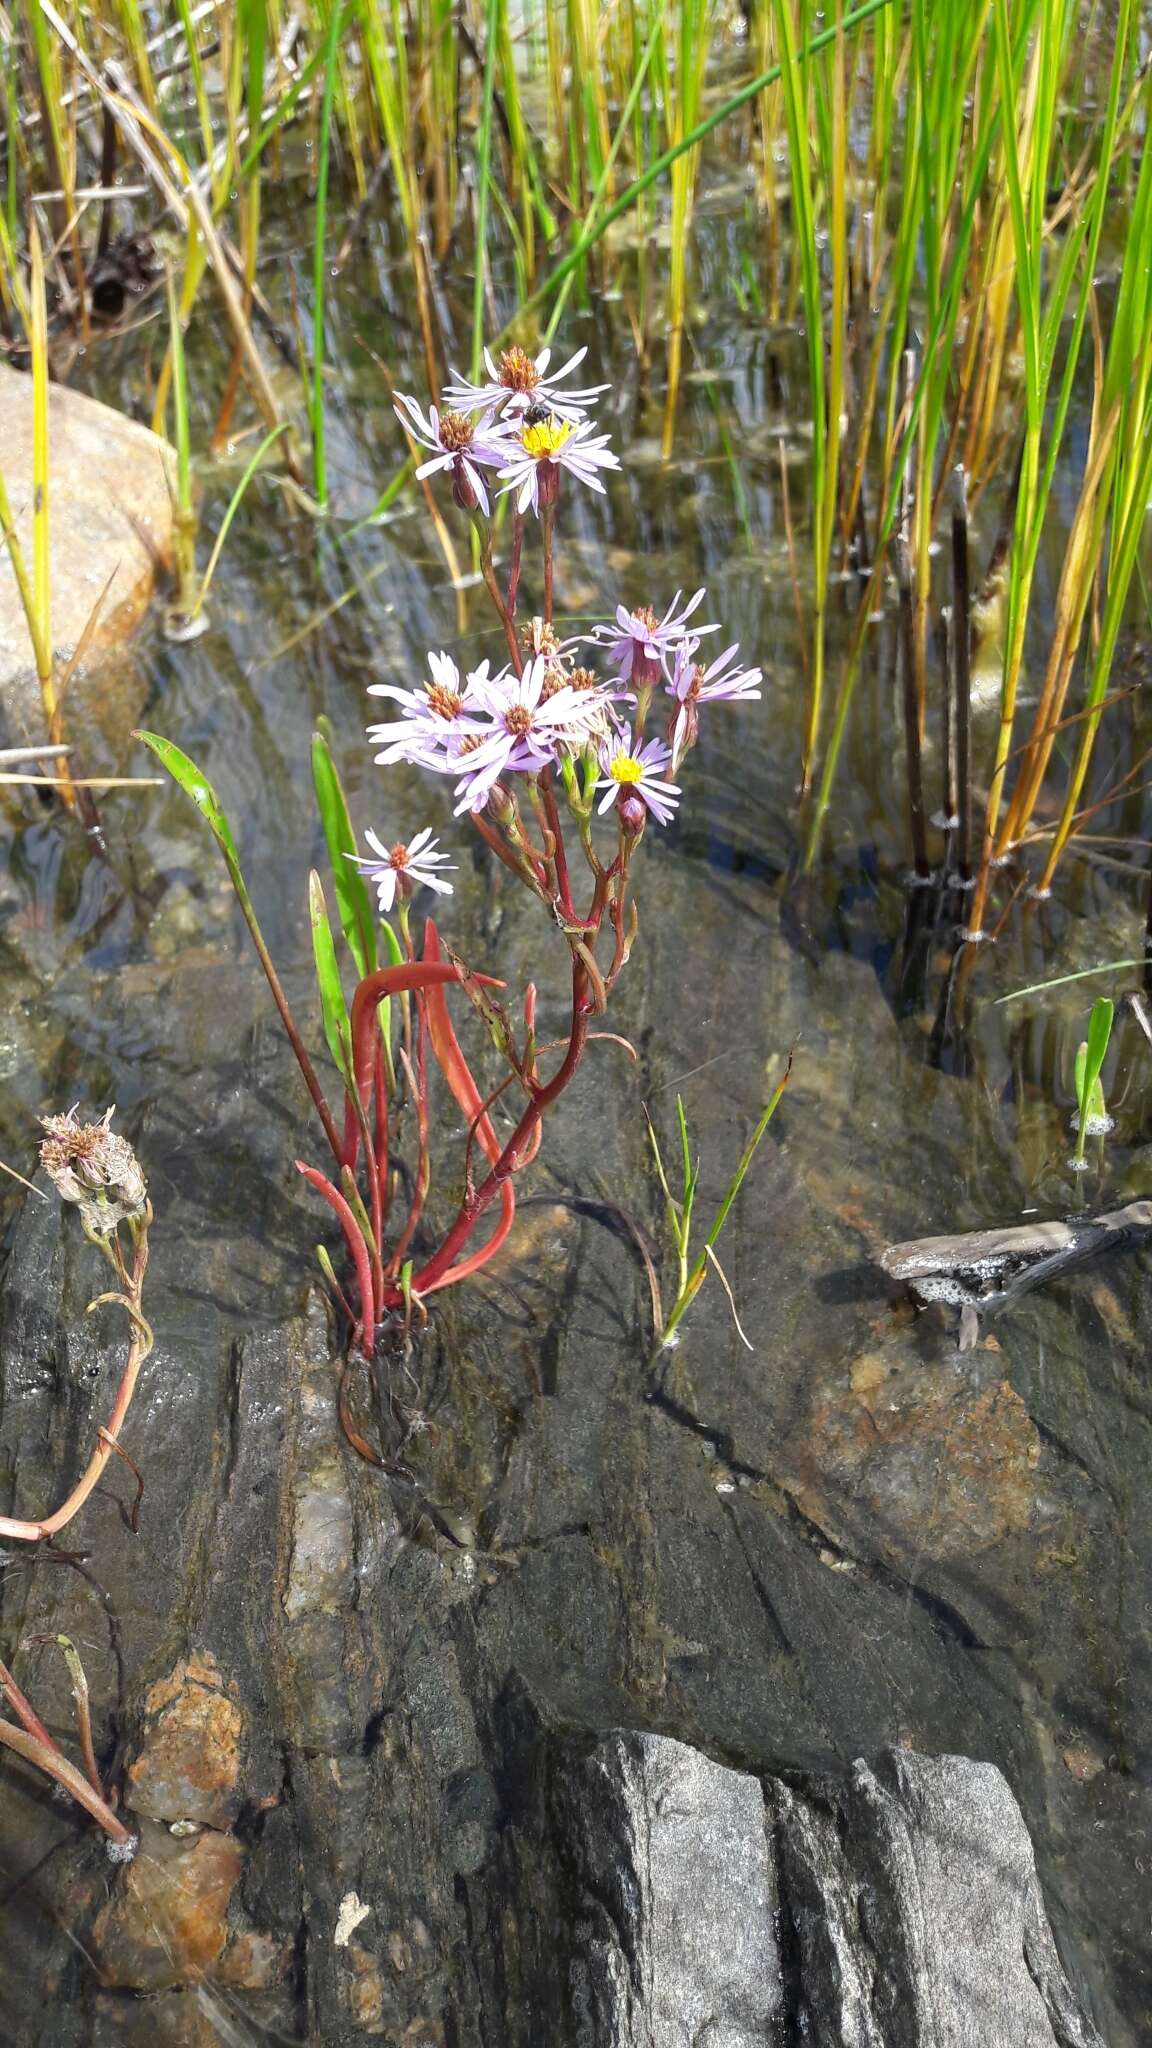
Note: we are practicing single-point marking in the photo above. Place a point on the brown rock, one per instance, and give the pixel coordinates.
(931, 1453)
(366, 1991)
(175, 2019)
(110, 516)
(167, 1923)
(189, 1763)
(254, 1961)
(1083, 1763)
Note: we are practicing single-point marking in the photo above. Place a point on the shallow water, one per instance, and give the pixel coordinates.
(847, 1536)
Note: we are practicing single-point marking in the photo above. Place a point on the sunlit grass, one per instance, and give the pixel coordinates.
(932, 180)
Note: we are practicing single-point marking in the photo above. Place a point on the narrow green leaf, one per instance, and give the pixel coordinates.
(333, 1007)
(1037, 988)
(392, 944)
(1099, 1033)
(352, 898)
(1089, 1062)
(196, 785)
(233, 507)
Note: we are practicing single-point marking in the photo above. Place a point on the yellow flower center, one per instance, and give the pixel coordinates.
(626, 768)
(545, 440)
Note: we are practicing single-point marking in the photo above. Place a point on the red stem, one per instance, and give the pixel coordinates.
(391, 981)
(559, 854)
(423, 1169)
(547, 523)
(354, 1239)
(22, 1707)
(514, 571)
(455, 1069)
(477, 1200)
(51, 1760)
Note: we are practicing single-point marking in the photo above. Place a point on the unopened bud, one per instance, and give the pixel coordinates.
(683, 729)
(463, 490)
(633, 814)
(502, 805)
(89, 1164)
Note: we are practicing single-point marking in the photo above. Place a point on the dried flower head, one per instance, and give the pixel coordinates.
(538, 637)
(91, 1165)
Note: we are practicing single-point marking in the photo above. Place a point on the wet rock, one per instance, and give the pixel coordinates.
(944, 1454)
(413, 1729)
(167, 1920)
(189, 1766)
(170, 2019)
(110, 516)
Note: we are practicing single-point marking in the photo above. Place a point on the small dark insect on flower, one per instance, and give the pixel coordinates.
(537, 416)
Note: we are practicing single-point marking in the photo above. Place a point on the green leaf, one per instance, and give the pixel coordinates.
(196, 785)
(334, 1009)
(352, 898)
(1099, 1033)
(1089, 1062)
(394, 949)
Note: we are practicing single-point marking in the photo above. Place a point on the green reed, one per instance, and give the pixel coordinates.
(937, 230)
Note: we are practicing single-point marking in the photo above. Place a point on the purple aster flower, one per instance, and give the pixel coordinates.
(460, 444)
(440, 714)
(537, 450)
(398, 870)
(636, 773)
(692, 685)
(639, 642)
(530, 716)
(518, 381)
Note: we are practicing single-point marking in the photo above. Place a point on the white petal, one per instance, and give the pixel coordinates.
(569, 365)
(477, 483)
(386, 891)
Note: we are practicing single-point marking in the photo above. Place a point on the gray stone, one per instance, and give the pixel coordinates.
(110, 524)
(895, 1907)
(915, 1912)
(675, 1947)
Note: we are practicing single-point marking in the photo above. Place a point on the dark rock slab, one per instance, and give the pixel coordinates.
(849, 1541)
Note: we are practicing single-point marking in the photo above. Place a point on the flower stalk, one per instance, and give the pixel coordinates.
(542, 761)
(91, 1166)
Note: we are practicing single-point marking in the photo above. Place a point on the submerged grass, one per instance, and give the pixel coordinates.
(933, 182)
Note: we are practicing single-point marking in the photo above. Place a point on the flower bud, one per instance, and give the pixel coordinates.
(463, 491)
(502, 806)
(89, 1164)
(633, 814)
